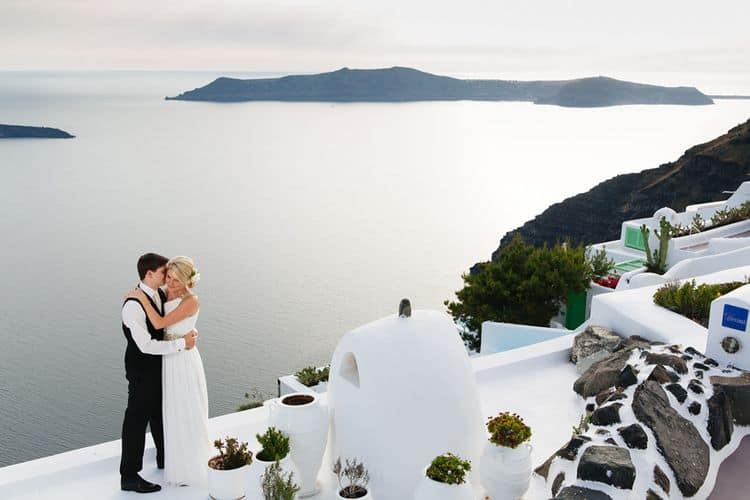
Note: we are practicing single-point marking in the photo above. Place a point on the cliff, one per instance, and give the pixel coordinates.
(20, 131)
(405, 84)
(702, 174)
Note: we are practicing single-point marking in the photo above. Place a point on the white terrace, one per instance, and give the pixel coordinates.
(409, 381)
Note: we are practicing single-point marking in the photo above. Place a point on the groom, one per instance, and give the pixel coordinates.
(145, 347)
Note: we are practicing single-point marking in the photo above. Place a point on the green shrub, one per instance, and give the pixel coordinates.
(449, 469)
(691, 300)
(275, 445)
(525, 285)
(232, 455)
(600, 264)
(278, 485)
(730, 215)
(254, 400)
(312, 376)
(508, 429)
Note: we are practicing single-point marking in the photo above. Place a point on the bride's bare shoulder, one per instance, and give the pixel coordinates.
(191, 299)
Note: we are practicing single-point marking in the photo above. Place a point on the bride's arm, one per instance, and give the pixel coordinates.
(187, 307)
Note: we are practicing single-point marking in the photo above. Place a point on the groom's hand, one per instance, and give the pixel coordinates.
(190, 339)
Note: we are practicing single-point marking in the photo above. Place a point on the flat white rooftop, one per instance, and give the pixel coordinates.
(537, 384)
(535, 381)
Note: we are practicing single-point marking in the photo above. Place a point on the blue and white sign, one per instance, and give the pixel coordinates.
(734, 317)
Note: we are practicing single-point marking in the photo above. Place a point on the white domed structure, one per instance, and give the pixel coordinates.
(401, 392)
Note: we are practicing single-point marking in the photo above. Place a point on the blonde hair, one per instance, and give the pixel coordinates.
(184, 270)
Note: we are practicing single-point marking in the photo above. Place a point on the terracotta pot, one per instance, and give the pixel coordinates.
(227, 484)
(505, 473)
(254, 475)
(303, 418)
(429, 489)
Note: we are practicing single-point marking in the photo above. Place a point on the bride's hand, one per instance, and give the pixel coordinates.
(138, 294)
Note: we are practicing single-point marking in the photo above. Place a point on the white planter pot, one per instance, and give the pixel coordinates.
(429, 489)
(227, 484)
(505, 472)
(368, 496)
(306, 425)
(255, 473)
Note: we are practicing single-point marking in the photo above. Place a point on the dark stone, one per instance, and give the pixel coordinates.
(696, 386)
(679, 392)
(557, 483)
(592, 340)
(700, 366)
(607, 464)
(698, 374)
(662, 375)
(617, 396)
(602, 432)
(686, 357)
(720, 424)
(602, 374)
(711, 362)
(607, 415)
(692, 350)
(634, 436)
(628, 377)
(637, 341)
(674, 348)
(579, 493)
(590, 407)
(676, 363)
(737, 390)
(677, 439)
(651, 495)
(661, 479)
(694, 408)
(604, 395)
(568, 452)
(611, 441)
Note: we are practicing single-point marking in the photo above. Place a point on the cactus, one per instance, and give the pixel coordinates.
(657, 261)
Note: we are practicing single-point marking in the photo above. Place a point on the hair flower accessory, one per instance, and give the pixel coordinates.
(195, 276)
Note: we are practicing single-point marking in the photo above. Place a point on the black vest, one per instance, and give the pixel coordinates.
(138, 363)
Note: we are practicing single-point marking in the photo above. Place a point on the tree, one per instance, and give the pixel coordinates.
(526, 285)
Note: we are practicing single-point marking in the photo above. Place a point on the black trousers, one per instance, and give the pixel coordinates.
(144, 407)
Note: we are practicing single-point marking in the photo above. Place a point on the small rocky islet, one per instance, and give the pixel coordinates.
(27, 132)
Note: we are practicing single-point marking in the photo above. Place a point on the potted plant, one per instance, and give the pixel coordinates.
(316, 378)
(445, 479)
(353, 478)
(226, 471)
(505, 468)
(274, 450)
(278, 485)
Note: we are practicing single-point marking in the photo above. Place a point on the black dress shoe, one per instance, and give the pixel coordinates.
(138, 484)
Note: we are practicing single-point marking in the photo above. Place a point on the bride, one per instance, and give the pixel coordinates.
(185, 401)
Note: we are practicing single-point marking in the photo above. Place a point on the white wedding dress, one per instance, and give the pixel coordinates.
(185, 408)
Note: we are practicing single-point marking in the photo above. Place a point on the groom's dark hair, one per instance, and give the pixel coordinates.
(150, 262)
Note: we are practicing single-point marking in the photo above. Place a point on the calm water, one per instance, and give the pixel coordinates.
(306, 220)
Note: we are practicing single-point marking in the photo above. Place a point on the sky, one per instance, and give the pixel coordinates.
(493, 37)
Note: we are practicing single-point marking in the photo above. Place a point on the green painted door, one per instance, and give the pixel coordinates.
(575, 314)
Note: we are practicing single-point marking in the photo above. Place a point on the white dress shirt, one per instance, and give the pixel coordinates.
(134, 317)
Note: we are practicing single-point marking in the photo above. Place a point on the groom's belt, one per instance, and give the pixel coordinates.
(172, 336)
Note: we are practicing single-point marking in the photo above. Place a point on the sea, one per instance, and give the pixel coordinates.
(305, 220)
